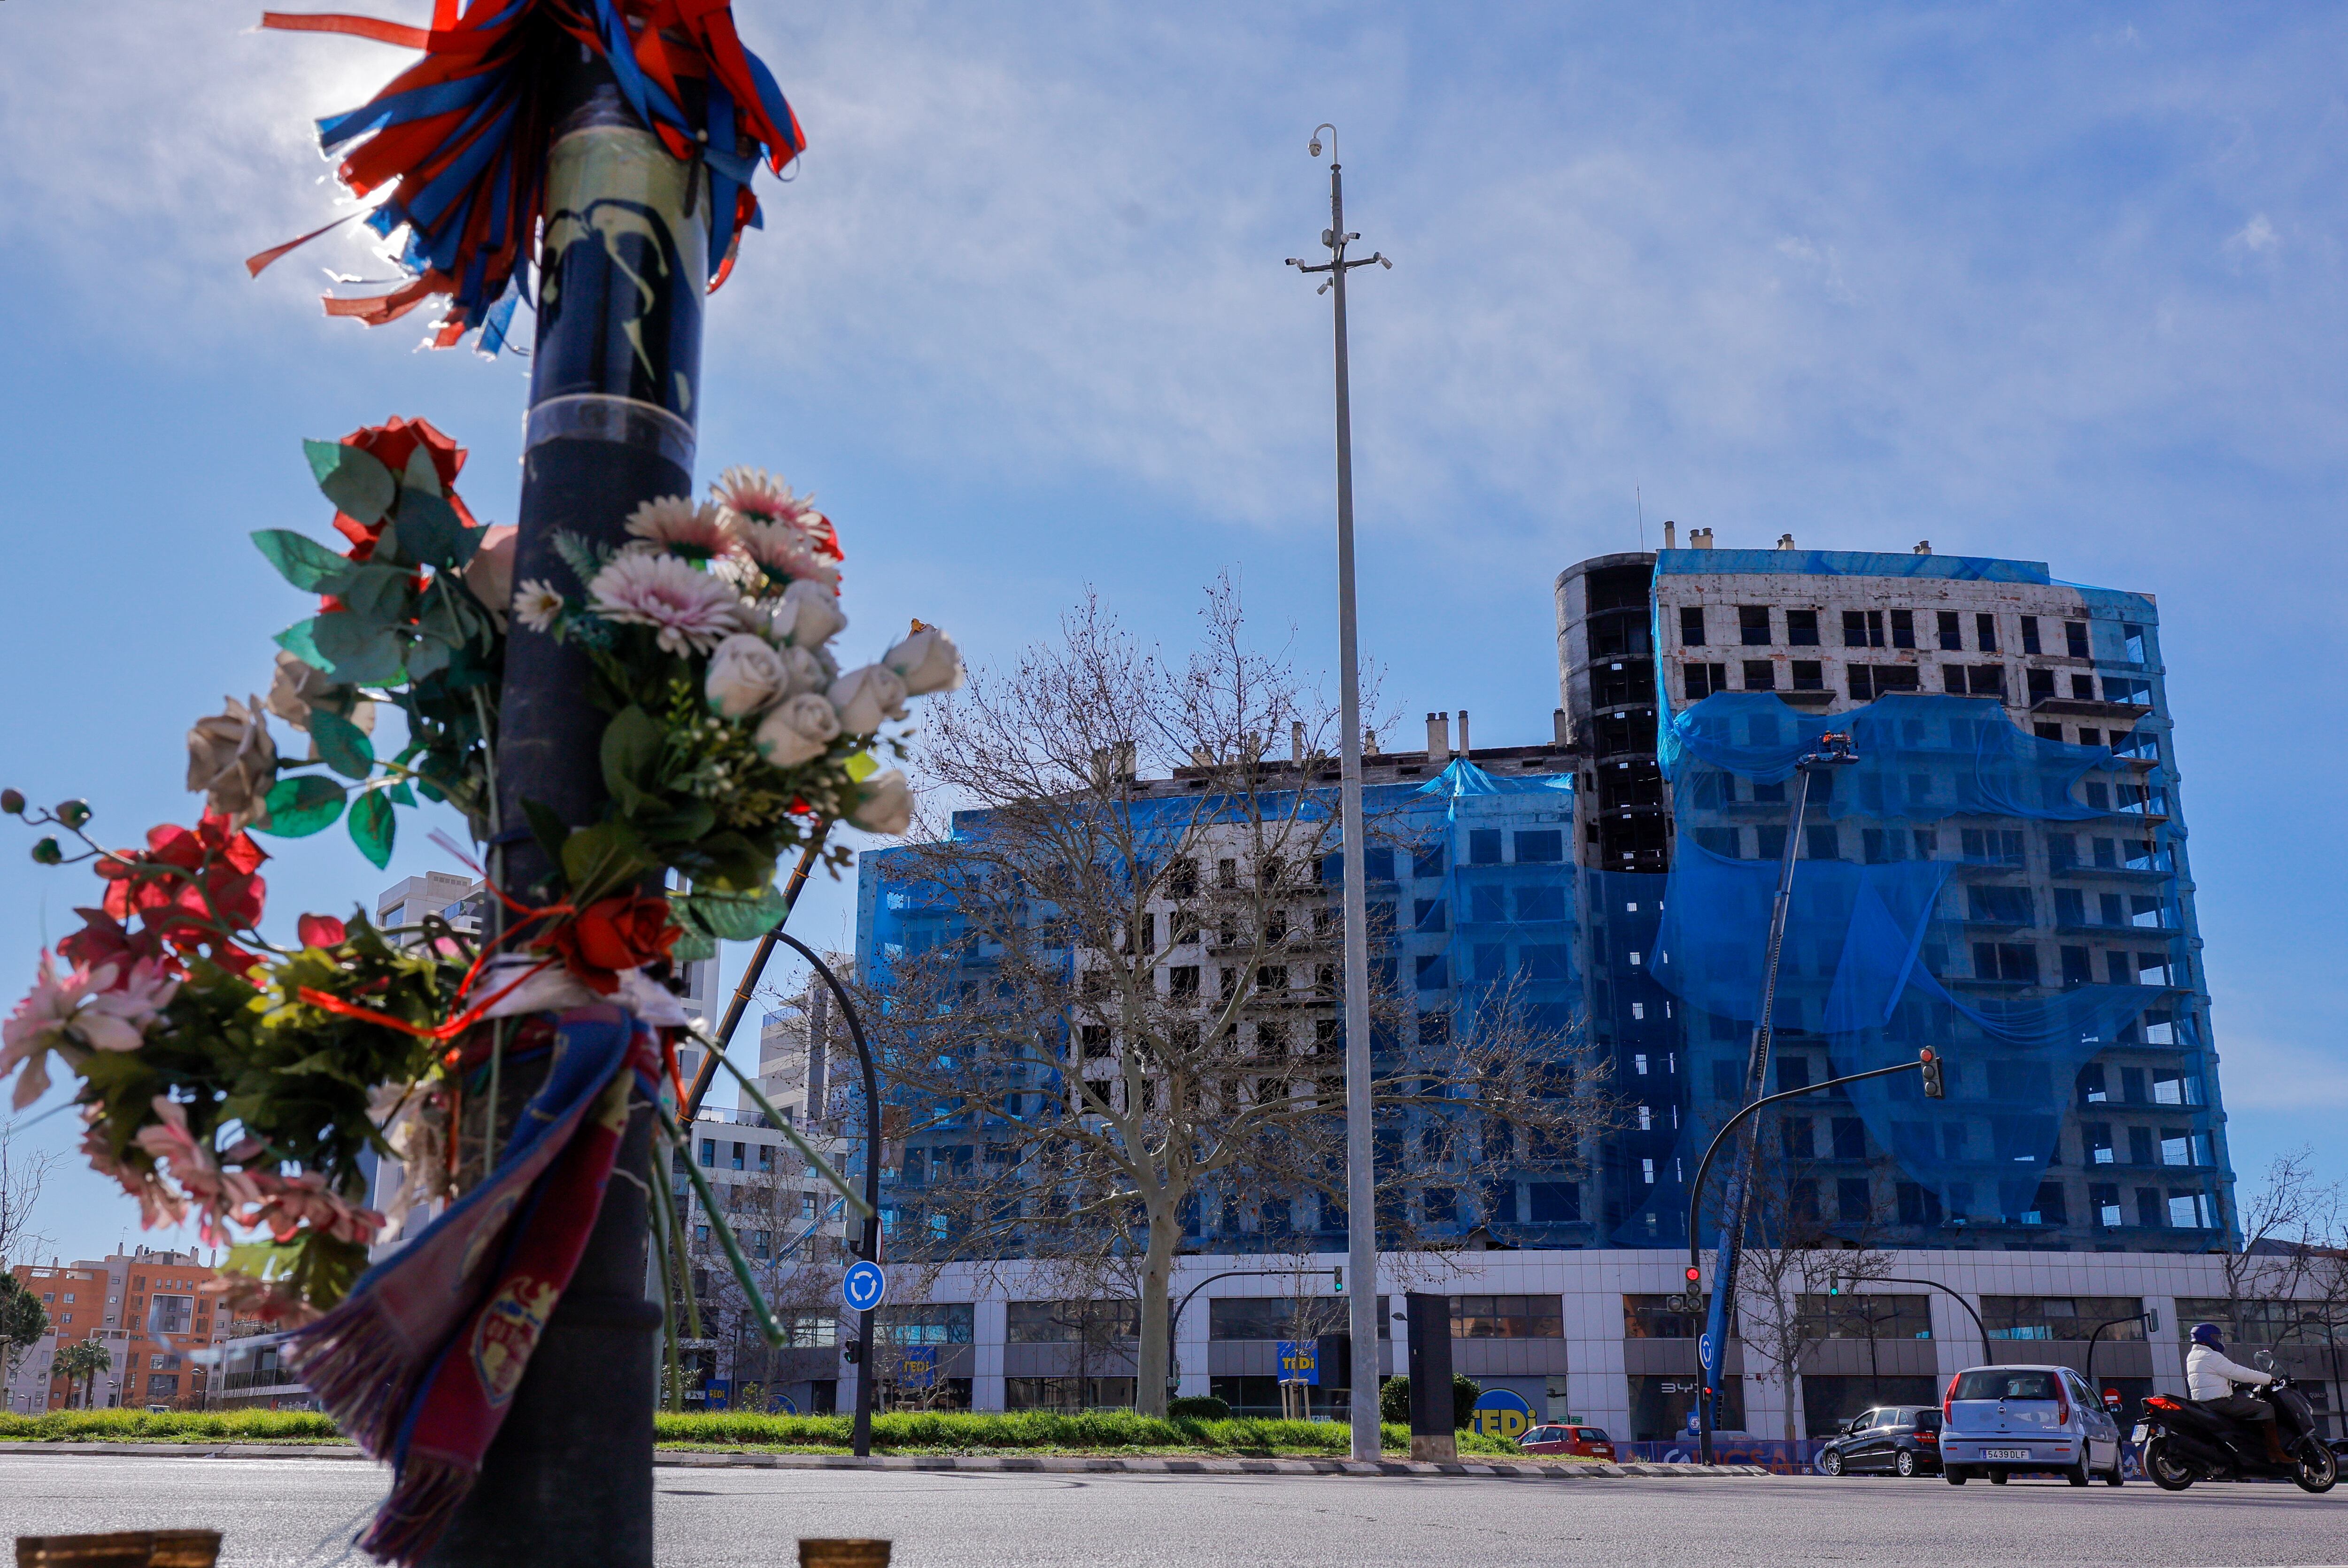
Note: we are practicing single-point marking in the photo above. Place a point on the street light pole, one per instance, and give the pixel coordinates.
(1361, 1184)
(615, 378)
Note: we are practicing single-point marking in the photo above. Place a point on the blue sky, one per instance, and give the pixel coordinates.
(2056, 282)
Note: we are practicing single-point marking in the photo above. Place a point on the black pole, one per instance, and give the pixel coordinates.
(1987, 1354)
(613, 387)
(866, 1380)
(706, 1074)
(1174, 1318)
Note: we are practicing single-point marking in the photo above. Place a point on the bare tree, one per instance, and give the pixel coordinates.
(23, 1173)
(1120, 1026)
(1795, 1260)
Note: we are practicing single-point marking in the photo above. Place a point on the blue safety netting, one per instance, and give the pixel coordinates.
(1847, 564)
(1928, 873)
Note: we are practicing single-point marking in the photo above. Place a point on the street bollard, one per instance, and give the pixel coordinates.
(1432, 1436)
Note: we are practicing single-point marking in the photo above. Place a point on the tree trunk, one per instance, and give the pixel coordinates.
(1156, 1275)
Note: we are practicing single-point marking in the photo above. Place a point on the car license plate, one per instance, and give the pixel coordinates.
(2006, 1453)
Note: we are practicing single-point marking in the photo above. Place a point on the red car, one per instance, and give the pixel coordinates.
(1583, 1442)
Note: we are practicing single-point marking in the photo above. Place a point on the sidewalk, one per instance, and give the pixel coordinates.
(1049, 1464)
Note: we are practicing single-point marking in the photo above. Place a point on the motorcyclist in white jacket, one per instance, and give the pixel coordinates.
(2210, 1378)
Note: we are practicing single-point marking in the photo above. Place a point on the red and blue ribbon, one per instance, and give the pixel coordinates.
(459, 139)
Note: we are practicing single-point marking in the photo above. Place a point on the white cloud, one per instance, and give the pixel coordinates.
(2256, 236)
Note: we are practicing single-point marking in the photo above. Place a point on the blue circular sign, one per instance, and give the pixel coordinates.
(1704, 1351)
(1499, 1413)
(781, 1405)
(864, 1286)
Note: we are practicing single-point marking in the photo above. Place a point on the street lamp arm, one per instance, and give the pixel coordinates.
(1696, 1192)
(1952, 1294)
(871, 1249)
(1174, 1318)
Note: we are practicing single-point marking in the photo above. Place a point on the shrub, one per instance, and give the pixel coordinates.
(1394, 1401)
(1198, 1407)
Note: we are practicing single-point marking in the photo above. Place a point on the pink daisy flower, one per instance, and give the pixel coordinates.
(692, 611)
(754, 495)
(676, 524)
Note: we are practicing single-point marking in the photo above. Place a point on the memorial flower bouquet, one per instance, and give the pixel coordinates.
(238, 1082)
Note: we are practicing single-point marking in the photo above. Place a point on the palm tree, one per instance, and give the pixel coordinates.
(86, 1359)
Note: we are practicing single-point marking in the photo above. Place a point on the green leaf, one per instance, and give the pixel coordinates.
(359, 486)
(301, 807)
(377, 593)
(303, 560)
(693, 946)
(551, 832)
(299, 640)
(678, 825)
(632, 749)
(599, 859)
(726, 863)
(354, 652)
(730, 916)
(401, 795)
(430, 533)
(343, 745)
(373, 825)
(419, 474)
(426, 658)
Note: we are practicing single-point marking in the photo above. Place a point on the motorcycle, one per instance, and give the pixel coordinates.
(2183, 1441)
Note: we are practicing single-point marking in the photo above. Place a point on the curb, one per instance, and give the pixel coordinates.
(1015, 1464)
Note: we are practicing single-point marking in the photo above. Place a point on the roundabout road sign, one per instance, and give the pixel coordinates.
(864, 1286)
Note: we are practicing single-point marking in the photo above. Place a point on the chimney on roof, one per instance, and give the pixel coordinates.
(1557, 729)
(1785, 541)
(1296, 741)
(1438, 736)
(1924, 547)
(1699, 538)
(1369, 741)
(1463, 732)
(1671, 534)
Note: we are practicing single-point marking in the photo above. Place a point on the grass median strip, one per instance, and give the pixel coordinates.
(1092, 1432)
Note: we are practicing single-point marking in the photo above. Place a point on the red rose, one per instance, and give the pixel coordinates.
(622, 932)
(392, 445)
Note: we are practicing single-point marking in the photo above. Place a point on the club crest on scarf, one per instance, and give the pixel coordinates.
(507, 1333)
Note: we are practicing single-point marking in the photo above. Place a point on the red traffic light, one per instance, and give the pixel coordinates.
(1694, 1274)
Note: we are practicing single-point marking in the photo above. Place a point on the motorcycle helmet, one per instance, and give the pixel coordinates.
(2207, 1334)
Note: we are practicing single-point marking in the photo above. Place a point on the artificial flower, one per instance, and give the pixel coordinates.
(808, 671)
(157, 1204)
(287, 1203)
(392, 445)
(692, 611)
(535, 604)
(747, 675)
(273, 1306)
(321, 931)
(181, 888)
(926, 661)
(865, 697)
(232, 759)
(296, 690)
(674, 523)
(785, 555)
(809, 615)
(797, 731)
(886, 806)
(42, 1022)
(220, 1196)
(754, 495)
(622, 932)
(490, 573)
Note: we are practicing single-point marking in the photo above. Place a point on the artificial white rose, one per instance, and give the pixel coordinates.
(886, 806)
(805, 671)
(809, 615)
(926, 661)
(232, 761)
(745, 676)
(797, 730)
(865, 697)
(296, 689)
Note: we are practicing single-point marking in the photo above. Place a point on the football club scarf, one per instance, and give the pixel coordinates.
(420, 1362)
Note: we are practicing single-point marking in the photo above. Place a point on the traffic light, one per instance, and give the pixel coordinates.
(1337, 1280)
(1834, 1286)
(1694, 1274)
(1933, 1088)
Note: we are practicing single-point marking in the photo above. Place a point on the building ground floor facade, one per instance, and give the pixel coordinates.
(1587, 1337)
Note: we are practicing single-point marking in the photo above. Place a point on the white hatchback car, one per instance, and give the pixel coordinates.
(2000, 1421)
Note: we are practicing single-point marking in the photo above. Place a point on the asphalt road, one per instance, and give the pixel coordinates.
(289, 1513)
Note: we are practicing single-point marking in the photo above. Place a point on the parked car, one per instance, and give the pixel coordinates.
(1891, 1440)
(2001, 1421)
(1585, 1442)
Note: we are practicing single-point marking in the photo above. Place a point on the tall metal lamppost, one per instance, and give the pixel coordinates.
(1360, 1196)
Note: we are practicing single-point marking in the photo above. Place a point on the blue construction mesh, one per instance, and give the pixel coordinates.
(1926, 870)
(1846, 564)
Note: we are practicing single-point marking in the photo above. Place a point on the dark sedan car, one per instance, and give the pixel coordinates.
(1892, 1440)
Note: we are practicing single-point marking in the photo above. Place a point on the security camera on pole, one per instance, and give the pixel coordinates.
(1361, 1186)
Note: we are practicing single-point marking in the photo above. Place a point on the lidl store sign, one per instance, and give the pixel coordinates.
(1500, 1414)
